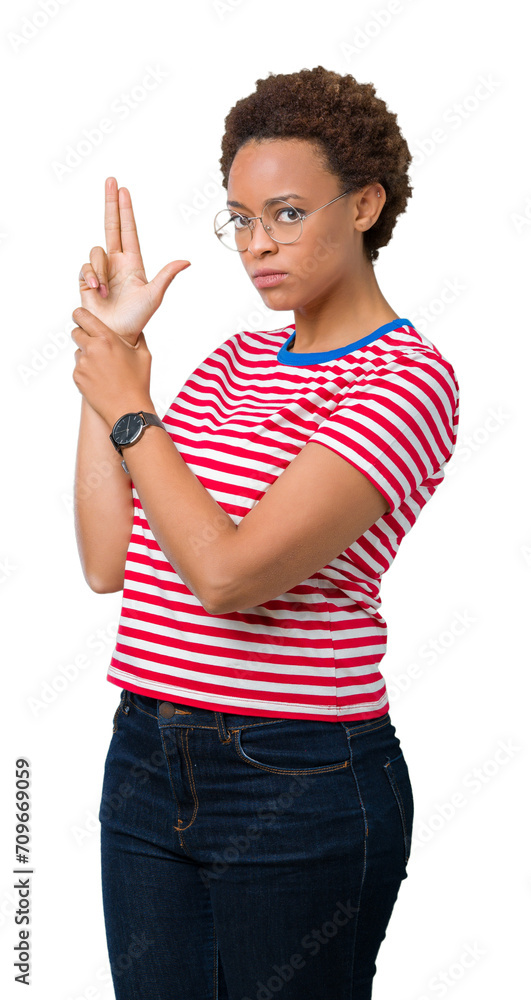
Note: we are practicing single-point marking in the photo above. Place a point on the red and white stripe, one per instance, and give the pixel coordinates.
(391, 409)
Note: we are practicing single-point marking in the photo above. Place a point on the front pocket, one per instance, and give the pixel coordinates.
(294, 746)
(398, 774)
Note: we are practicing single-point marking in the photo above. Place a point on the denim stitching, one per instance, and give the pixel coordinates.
(186, 755)
(230, 729)
(139, 709)
(378, 724)
(394, 785)
(121, 703)
(287, 770)
(358, 907)
(170, 775)
(224, 735)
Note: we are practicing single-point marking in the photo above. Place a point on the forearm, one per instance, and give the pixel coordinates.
(103, 504)
(195, 534)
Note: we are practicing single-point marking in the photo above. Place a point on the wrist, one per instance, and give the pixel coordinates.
(130, 427)
(129, 406)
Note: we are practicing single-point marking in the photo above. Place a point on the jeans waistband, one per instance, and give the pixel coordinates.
(171, 713)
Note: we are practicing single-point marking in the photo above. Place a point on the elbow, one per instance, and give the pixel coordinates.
(215, 609)
(224, 601)
(217, 601)
(100, 585)
(214, 606)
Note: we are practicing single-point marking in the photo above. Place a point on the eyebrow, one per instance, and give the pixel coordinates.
(279, 197)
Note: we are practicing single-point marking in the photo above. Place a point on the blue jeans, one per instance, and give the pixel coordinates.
(247, 857)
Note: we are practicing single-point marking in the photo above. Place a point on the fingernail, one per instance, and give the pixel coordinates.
(103, 291)
(93, 282)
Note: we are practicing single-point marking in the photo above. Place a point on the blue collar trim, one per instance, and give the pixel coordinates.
(290, 358)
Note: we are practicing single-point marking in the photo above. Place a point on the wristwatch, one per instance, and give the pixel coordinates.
(129, 428)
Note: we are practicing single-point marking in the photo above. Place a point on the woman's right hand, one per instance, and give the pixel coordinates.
(124, 299)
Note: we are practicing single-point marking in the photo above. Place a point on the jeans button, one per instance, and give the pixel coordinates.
(166, 710)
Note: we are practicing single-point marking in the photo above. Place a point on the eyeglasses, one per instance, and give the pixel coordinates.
(235, 231)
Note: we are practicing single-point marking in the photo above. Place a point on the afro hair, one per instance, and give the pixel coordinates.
(357, 137)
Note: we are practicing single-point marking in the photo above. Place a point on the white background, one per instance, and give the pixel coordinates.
(456, 599)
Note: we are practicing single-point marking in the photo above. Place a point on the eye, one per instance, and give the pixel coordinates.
(240, 221)
(292, 215)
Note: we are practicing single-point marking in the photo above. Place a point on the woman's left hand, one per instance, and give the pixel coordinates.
(112, 376)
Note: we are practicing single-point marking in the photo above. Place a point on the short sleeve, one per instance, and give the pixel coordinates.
(398, 428)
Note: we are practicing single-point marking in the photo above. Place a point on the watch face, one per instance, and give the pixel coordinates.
(127, 428)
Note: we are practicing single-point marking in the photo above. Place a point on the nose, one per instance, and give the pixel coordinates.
(260, 240)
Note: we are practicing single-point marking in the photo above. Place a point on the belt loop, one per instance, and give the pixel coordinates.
(224, 735)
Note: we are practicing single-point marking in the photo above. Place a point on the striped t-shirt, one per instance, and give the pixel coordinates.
(388, 404)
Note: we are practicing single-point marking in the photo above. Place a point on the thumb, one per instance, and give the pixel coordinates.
(162, 280)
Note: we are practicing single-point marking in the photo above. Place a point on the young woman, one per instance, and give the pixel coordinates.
(256, 811)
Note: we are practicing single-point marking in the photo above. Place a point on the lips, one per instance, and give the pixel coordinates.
(269, 278)
(262, 271)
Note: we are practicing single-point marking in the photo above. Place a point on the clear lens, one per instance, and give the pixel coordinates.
(281, 221)
(231, 230)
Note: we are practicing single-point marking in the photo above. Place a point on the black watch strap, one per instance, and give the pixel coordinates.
(151, 418)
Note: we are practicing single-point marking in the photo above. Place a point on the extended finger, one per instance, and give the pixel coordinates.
(127, 222)
(113, 238)
(98, 259)
(87, 277)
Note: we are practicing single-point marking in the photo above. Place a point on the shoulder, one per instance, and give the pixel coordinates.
(412, 360)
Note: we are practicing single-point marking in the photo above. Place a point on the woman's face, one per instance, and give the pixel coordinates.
(330, 249)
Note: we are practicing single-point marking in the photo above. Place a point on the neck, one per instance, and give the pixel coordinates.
(355, 309)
